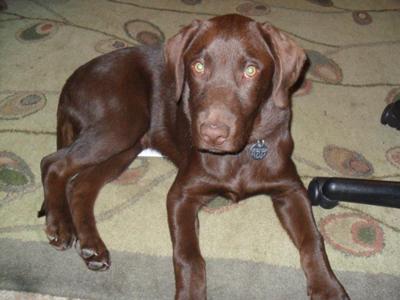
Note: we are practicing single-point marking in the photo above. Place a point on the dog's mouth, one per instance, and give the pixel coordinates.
(219, 150)
(214, 151)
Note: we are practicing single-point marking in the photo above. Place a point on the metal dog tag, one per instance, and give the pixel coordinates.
(259, 150)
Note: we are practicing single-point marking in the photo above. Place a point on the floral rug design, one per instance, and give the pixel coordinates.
(353, 73)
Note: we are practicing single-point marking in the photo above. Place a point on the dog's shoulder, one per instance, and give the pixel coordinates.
(129, 64)
(126, 58)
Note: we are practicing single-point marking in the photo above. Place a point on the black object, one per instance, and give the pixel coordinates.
(327, 192)
(391, 115)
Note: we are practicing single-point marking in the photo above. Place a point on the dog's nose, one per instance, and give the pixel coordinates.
(214, 133)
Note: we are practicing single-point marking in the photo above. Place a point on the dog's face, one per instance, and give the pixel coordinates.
(225, 69)
(226, 79)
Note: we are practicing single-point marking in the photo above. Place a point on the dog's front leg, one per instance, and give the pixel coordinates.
(294, 212)
(183, 205)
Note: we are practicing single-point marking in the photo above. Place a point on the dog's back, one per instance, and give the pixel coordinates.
(93, 91)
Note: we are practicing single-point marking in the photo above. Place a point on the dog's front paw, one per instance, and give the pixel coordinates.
(328, 292)
(94, 254)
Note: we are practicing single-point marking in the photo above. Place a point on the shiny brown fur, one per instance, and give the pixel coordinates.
(204, 120)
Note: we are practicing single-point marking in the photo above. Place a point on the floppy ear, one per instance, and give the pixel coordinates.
(173, 53)
(289, 59)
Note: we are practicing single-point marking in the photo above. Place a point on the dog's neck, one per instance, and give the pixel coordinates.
(267, 128)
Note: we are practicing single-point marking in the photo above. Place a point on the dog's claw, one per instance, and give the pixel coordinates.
(94, 260)
(52, 238)
(60, 244)
(98, 265)
(60, 233)
(87, 253)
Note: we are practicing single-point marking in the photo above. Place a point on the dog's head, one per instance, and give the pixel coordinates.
(225, 69)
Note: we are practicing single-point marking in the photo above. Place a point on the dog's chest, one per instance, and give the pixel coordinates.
(238, 180)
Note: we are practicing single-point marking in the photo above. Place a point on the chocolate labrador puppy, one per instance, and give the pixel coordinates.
(215, 101)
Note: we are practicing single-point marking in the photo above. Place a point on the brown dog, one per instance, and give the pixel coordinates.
(215, 101)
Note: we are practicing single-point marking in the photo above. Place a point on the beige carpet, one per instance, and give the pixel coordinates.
(354, 49)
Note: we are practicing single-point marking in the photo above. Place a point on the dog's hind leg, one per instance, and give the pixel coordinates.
(82, 191)
(59, 227)
(93, 146)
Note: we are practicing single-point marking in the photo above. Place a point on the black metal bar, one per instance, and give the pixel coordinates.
(391, 115)
(327, 192)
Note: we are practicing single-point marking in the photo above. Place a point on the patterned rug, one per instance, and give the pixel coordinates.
(353, 48)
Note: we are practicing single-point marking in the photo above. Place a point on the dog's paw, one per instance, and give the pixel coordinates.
(60, 233)
(325, 296)
(95, 255)
(328, 293)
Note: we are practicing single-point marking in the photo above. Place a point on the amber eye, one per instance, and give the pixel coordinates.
(199, 67)
(250, 71)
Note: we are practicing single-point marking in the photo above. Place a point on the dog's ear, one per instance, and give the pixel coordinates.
(174, 50)
(289, 59)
